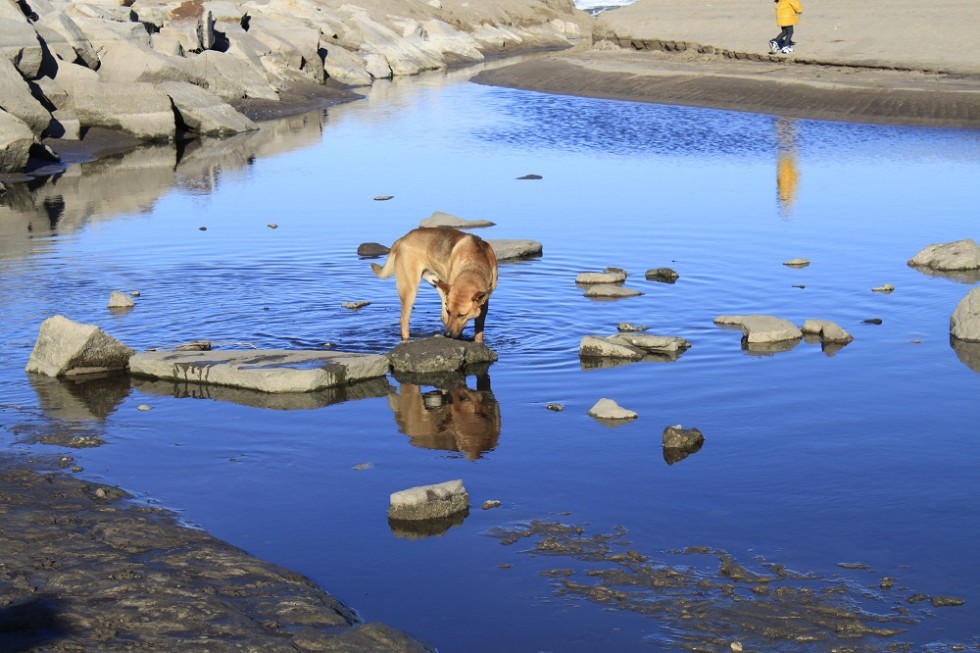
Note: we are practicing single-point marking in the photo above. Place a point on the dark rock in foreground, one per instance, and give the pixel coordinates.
(129, 578)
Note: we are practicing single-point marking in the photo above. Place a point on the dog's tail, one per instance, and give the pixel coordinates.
(388, 269)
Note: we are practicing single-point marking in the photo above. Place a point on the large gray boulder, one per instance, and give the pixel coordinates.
(16, 139)
(20, 46)
(947, 257)
(204, 112)
(128, 61)
(965, 321)
(67, 348)
(65, 39)
(262, 370)
(231, 77)
(16, 98)
(345, 66)
(138, 108)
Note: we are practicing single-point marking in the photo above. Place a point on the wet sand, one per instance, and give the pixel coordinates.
(879, 61)
(760, 84)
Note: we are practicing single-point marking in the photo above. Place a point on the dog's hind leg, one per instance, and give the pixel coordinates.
(480, 320)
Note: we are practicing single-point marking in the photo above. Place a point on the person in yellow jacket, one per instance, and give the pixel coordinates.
(787, 15)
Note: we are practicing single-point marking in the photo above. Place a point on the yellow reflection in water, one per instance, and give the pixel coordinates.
(787, 170)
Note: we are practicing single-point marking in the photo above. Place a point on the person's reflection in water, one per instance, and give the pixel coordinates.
(787, 171)
(453, 417)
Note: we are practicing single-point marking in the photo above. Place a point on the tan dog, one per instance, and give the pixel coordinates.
(461, 266)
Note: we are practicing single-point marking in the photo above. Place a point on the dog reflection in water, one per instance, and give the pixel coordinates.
(455, 418)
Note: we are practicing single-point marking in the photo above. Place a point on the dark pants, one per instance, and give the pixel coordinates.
(785, 37)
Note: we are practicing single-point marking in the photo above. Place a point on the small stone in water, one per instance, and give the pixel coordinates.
(532, 176)
(272, 225)
(852, 565)
(135, 293)
(797, 262)
(144, 407)
(202, 228)
(355, 305)
(629, 326)
(946, 601)
(383, 198)
(362, 467)
(491, 503)
(872, 320)
(886, 288)
(555, 407)
(887, 583)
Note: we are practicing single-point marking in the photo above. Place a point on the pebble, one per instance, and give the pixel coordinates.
(135, 293)
(946, 601)
(887, 583)
(555, 407)
(202, 228)
(355, 305)
(872, 320)
(797, 262)
(362, 467)
(144, 407)
(532, 176)
(491, 503)
(886, 288)
(627, 327)
(852, 565)
(272, 225)
(383, 198)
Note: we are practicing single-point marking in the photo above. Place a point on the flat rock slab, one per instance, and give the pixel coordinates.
(269, 370)
(440, 219)
(438, 355)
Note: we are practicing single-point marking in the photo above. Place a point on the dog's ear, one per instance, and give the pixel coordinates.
(442, 285)
(481, 298)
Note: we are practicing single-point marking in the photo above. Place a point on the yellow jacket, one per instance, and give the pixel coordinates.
(788, 12)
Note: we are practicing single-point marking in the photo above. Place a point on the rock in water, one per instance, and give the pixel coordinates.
(67, 348)
(429, 501)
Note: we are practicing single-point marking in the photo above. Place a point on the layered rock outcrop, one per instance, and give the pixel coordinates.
(160, 69)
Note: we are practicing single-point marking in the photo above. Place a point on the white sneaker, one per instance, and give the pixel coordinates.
(773, 46)
(787, 49)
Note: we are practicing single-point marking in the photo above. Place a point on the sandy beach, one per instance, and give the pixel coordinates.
(893, 63)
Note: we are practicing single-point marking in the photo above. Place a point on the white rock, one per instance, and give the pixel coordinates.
(16, 98)
(16, 139)
(964, 324)
(345, 66)
(652, 343)
(138, 108)
(429, 501)
(609, 409)
(610, 275)
(67, 348)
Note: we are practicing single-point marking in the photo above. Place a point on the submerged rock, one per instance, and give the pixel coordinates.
(663, 275)
(678, 437)
(429, 501)
(372, 249)
(599, 347)
(67, 348)
(797, 263)
(964, 324)
(652, 344)
(120, 300)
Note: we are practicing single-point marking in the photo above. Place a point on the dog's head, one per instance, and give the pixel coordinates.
(464, 301)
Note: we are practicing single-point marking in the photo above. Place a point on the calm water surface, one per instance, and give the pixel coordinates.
(867, 456)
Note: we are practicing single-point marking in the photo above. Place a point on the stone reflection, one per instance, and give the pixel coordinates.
(967, 352)
(451, 416)
(88, 398)
(419, 529)
(787, 170)
(371, 388)
(132, 181)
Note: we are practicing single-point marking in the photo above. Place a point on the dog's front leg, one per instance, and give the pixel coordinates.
(480, 320)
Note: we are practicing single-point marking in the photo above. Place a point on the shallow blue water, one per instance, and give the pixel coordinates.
(810, 460)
